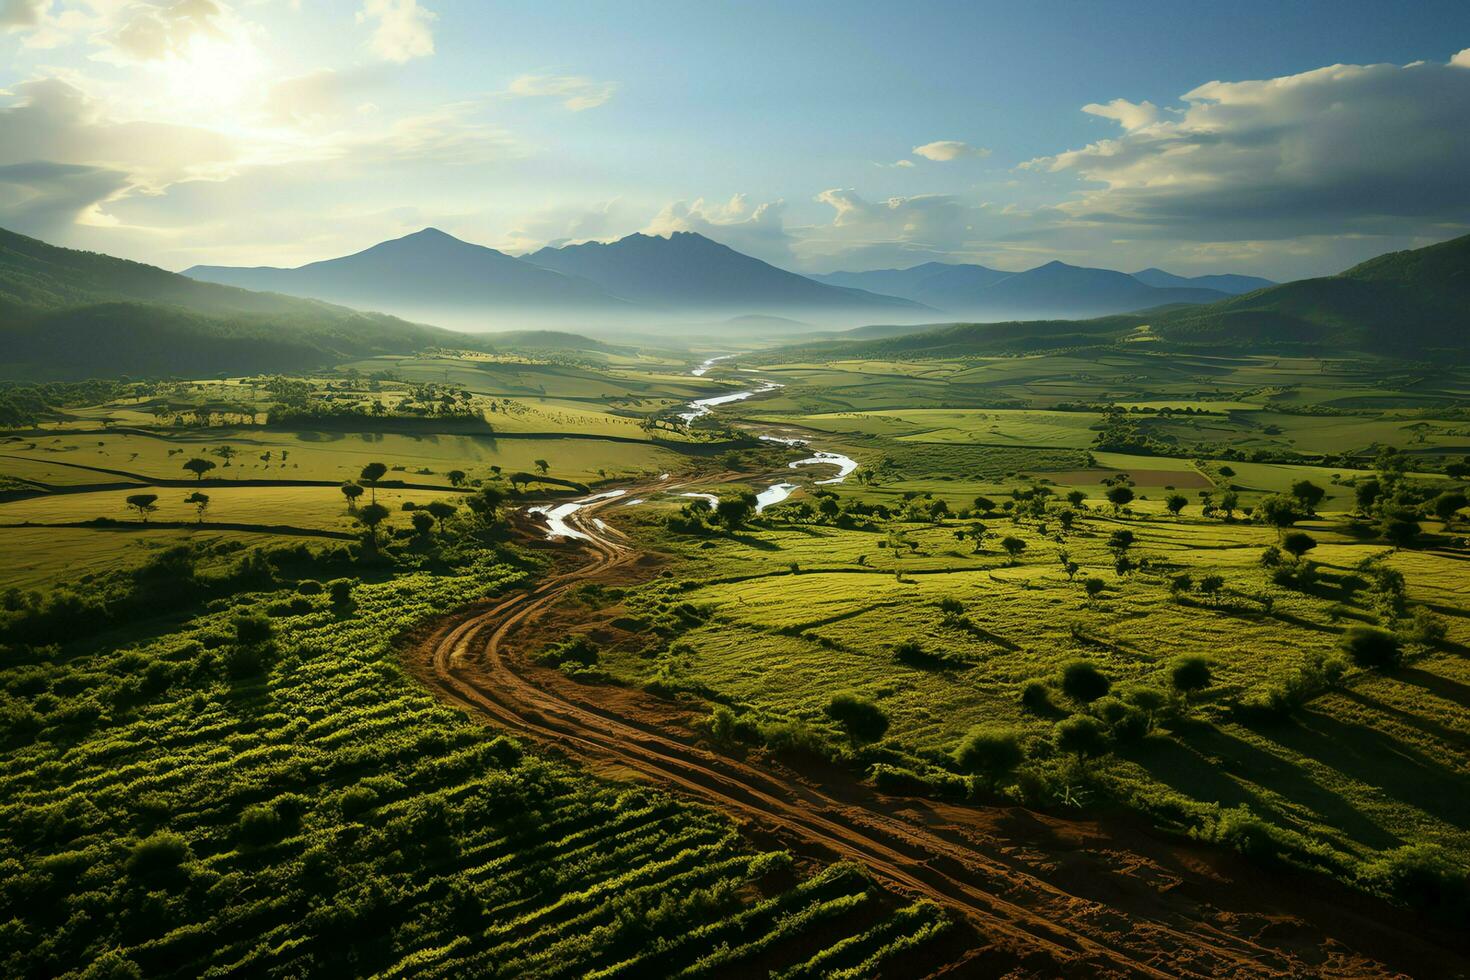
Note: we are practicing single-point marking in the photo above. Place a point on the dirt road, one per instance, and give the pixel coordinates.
(1048, 896)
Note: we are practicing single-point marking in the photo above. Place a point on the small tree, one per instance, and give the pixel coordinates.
(984, 505)
(198, 467)
(1189, 674)
(441, 512)
(1076, 498)
(1094, 587)
(371, 474)
(1210, 586)
(1120, 497)
(1176, 502)
(989, 750)
(1013, 546)
(1120, 541)
(455, 477)
(200, 502)
(370, 517)
(351, 491)
(1082, 736)
(1447, 505)
(1308, 494)
(1279, 511)
(734, 509)
(144, 504)
(422, 522)
(1400, 530)
(1371, 647)
(1083, 682)
(542, 466)
(1229, 501)
(1298, 543)
(861, 719)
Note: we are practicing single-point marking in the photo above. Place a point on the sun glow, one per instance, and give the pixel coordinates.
(213, 75)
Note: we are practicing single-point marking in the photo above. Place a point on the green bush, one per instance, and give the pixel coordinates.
(340, 591)
(1371, 647)
(1423, 876)
(990, 751)
(862, 720)
(158, 857)
(1189, 674)
(1036, 697)
(578, 650)
(1083, 682)
(1082, 736)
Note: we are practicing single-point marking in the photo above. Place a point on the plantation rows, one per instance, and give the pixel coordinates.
(267, 794)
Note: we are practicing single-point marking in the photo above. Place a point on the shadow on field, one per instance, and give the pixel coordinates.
(1441, 687)
(1431, 728)
(1378, 760)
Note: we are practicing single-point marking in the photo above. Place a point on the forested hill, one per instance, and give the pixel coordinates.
(72, 314)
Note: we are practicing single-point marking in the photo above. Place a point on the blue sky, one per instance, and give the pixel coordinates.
(815, 135)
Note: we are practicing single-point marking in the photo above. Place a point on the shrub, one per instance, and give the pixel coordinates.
(990, 750)
(862, 720)
(1425, 877)
(1371, 647)
(1126, 723)
(578, 650)
(309, 587)
(1083, 682)
(253, 630)
(158, 857)
(1094, 586)
(1036, 697)
(1189, 674)
(340, 591)
(357, 800)
(725, 727)
(1082, 736)
(1297, 543)
(261, 824)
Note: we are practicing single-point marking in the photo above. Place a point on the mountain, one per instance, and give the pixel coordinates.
(687, 271)
(1052, 290)
(1406, 303)
(429, 275)
(1232, 284)
(71, 314)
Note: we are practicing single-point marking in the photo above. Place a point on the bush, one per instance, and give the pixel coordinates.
(340, 591)
(261, 824)
(724, 727)
(1082, 736)
(309, 587)
(1371, 647)
(1425, 877)
(578, 650)
(863, 720)
(1084, 683)
(1036, 697)
(990, 750)
(253, 630)
(158, 857)
(1189, 674)
(1126, 723)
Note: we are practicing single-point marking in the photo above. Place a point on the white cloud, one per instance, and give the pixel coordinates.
(946, 150)
(574, 92)
(152, 33)
(896, 231)
(1461, 60)
(402, 30)
(21, 14)
(1342, 150)
(757, 230)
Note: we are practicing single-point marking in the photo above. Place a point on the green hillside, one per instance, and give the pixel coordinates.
(71, 314)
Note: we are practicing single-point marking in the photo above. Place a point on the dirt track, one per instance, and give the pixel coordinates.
(1048, 896)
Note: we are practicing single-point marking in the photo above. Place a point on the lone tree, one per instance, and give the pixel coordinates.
(1120, 497)
(1013, 546)
(1094, 587)
(1189, 675)
(351, 491)
(1278, 510)
(1401, 530)
(1371, 647)
(861, 719)
(1083, 682)
(1298, 543)
(201, 504)
(441, 512)
(1210, 586)
(1120, 541)
(1176, 502)
(371, 474)
(371, 516)
(984, 504)
(989, 750)
(198, 467)
(542, 466)
(144, 504)
(456, 478)
(1308, 494)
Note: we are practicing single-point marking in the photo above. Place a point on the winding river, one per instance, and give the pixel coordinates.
(556, 516)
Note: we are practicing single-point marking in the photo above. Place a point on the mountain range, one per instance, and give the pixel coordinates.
(1055, 289)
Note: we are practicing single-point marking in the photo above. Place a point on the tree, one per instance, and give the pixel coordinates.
(1189, 675)
(734, 509)
(1176, 502)
(1210, 586)
(1298, 543)
(371, 474)
(1447, 505)
(144, 504)
(1278, 510)
(1094, 587)
(1066, 517)
(200, 502)
(1013, 547)
(371, 516)
(422, 522)
(1308, 494)
(441, 512)
(861, 719)
(542, 466)
(486, 503)
(989, 750)
(1083, 682)
(1076, 498)
(455, 477)
(1366, 494)
(984, 504)
(198, 467)
(1229, 501)
(1082, 736)
(1371, 647)
(1120, 497)
(1120, 541)
(1401, 530)
(351, 491)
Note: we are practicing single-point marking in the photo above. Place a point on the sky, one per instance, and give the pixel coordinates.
(1284, 139)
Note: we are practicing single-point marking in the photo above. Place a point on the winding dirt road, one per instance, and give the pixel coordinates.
(1047, 896)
